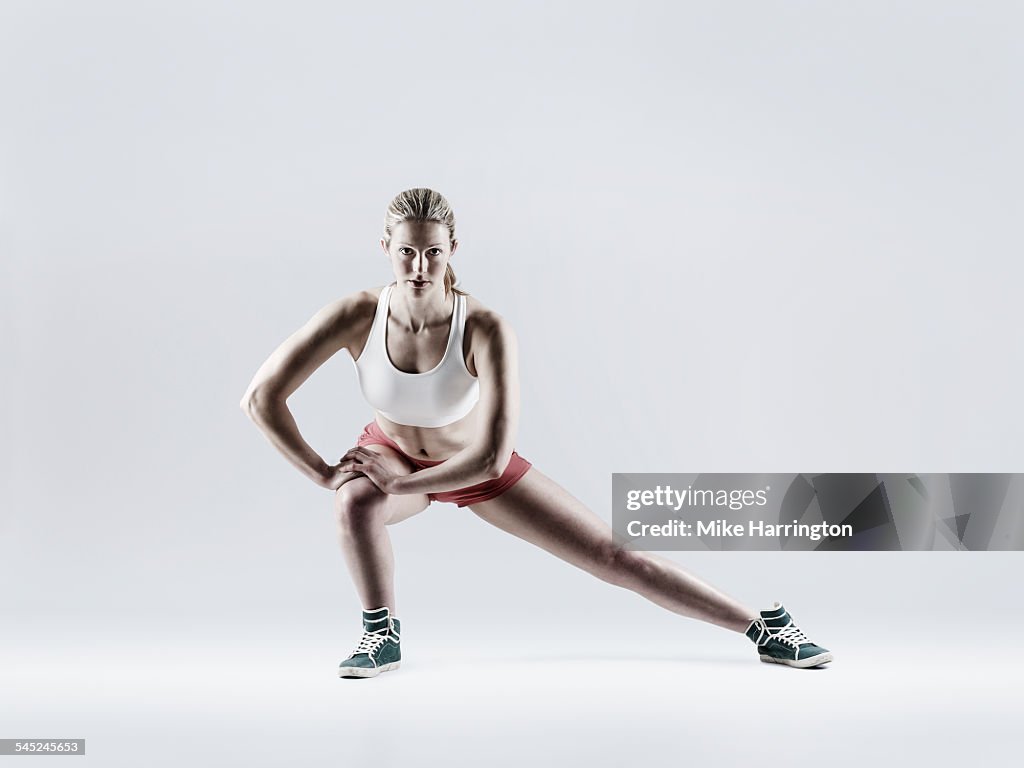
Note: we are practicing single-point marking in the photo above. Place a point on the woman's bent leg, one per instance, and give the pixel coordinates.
(363, 511)
(540, 511)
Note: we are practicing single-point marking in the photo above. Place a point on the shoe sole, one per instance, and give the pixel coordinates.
(810, 661)
(367, 671)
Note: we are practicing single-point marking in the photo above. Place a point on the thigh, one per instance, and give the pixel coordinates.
(540, 511)
(397, 507)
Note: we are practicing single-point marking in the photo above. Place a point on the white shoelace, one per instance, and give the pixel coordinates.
(370, 642)
(791, 634)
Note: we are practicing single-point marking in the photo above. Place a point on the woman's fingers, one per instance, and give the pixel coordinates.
(357, 454)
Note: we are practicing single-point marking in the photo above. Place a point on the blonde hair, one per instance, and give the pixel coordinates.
(422, 204)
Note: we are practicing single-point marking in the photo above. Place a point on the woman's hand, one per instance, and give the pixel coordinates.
(335, 477)
(367, 463)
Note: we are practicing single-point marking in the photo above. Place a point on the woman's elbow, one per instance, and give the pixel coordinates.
(255, 403)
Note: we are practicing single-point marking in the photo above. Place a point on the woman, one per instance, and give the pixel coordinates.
(441, 371)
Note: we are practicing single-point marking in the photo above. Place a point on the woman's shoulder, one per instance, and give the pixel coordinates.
(479, 312)
(350, 310)
(350, 317)
(481, 318)
(362, 302)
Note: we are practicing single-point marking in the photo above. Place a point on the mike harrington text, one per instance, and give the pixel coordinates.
(814, 532)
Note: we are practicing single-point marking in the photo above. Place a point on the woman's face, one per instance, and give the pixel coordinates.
(419, 253)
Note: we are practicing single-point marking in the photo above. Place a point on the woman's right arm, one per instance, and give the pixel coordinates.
(265, 401)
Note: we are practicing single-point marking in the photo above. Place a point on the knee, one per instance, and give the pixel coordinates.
(357, 505)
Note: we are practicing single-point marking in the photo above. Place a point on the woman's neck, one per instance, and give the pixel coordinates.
(419, 313)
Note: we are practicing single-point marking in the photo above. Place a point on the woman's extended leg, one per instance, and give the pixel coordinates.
(363, 511)
(540, 511)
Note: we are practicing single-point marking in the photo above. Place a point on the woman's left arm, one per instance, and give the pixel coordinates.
(497, 368)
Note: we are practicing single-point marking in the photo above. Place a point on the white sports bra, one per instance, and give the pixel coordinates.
(434, 398)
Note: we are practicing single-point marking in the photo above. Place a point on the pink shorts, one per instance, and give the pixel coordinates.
(517, 467)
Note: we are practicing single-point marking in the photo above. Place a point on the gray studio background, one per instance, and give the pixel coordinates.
(732, 237)
(729, 242)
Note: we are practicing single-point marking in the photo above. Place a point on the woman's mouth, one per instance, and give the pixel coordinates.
(419, 283)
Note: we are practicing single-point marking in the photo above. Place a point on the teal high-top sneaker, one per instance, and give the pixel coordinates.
(379, 650)
(780, 641)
